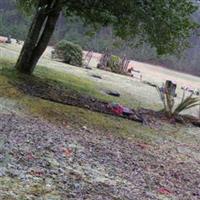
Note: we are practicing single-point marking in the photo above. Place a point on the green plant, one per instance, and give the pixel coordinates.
(187, 103)
(114, 64)
(69, 52)
(168, 101)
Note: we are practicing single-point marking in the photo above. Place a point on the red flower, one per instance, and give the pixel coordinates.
(164, 191)
(118, 110)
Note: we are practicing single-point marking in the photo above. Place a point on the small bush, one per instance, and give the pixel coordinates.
(69, 52)
(114, 64)
(168, 100)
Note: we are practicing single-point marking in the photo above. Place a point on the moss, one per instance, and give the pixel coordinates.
(8, 184)
(13, 188)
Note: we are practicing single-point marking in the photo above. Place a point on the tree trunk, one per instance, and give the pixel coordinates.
(40, 32)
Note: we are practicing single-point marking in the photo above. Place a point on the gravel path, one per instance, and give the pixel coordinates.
(39, 160)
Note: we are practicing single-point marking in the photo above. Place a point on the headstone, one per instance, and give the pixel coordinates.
(96, 76)
(53, 54)
(103, 63)
(113, 93)
(171, 88)
(88, 58)
(8, 40)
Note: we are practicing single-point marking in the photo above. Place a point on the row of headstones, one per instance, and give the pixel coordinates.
(103, 63)
(9, 41)
(105, 59)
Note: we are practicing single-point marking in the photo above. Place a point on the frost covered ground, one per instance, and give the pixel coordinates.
(39, 160)
(50, 151)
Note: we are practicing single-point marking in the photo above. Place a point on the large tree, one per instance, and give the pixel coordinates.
(164, 24)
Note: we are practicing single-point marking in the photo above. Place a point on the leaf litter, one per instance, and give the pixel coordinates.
(39, 160)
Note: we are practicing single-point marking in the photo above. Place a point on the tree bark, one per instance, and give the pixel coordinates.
(44, 39)
(40, 32)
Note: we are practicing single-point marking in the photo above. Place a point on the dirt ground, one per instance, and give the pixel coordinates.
(39, 160)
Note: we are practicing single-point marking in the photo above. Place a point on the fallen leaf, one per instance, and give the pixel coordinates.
(30, 156)
(164, 191)
(68, 152)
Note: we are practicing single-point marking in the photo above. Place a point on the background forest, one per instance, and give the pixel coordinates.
(14, 23)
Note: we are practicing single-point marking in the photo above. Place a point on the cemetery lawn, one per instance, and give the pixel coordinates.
(54, 151)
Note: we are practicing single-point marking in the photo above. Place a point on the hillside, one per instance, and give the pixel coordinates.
(134, 89)
(50, 150)
(14, 23)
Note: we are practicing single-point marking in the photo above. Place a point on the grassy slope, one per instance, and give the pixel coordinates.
(11, 98)
(133, 94)
(79, 80)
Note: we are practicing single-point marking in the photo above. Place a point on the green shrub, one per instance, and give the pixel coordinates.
(69, 52)
(114, 64)
(168, 100)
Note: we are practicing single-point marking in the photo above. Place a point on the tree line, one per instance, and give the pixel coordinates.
(15, 23)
